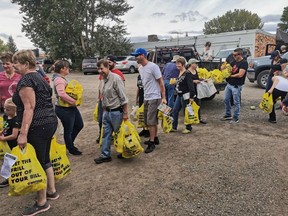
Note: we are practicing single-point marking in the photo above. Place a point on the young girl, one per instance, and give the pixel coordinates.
(10, 129)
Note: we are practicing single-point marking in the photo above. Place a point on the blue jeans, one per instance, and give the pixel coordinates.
(179, 104)
(72, 123)
(235, 93)
(111, 123)
(169, 89)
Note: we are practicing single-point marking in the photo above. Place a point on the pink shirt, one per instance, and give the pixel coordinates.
(8, 86)
(60, 85)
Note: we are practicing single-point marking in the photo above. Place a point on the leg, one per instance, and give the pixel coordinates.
(236, 98)
(227, 98)
(107, 136)
(78, 125)
(275, 95)
(176, 109)
(184, 103)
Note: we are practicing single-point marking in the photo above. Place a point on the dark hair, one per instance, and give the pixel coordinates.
(104, 62)
(59, 64)
(208, 43)
(6, 56)
(239, 51)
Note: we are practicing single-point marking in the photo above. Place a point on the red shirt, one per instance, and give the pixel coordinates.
(118, 72)
(8, 86)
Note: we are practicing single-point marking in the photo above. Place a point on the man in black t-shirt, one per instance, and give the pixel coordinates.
(234, 86)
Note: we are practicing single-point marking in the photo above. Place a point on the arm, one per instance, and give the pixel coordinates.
(137, 97)
(60, 88)
(162, 89)
(28, 98)
(240, 74)
(275, 82)
(190, 84)
(120, 89)
(13, 136)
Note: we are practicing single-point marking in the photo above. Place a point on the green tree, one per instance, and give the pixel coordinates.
(284, 18)
(3, 46)
(11, 45)
(71, 28)
(236, 20)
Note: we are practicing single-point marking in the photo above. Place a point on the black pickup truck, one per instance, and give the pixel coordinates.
(164, 54)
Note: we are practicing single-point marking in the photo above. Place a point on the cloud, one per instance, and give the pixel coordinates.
(191, 16)
(3, 35)
(19, 36)
(158, 14)
(271, 18)
(270, 27)
(173, 21)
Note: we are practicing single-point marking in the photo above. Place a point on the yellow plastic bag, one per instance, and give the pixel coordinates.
(140, 117)
(217, 76)
(4, 147)
(75, 90)
(60, 162)
(95, 113)
(192, 119)
(27, 175)
(166, 122)
(1, 122)
(267, 103)
(131, 142)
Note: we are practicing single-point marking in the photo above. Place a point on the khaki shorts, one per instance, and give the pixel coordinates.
(151, 111)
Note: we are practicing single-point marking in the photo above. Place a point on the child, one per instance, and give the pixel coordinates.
(10, 129)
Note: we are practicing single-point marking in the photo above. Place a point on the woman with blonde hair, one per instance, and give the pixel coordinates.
(36, 115)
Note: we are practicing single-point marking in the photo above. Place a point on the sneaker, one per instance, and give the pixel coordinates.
(150, 148)
(173, 130)
(272, 121)
(156, 141)
(144, 133)
(186, 131)
(4, 183)
(226, 118)
(75, 151)
(102, 160)
(203, 122)
(235, 120)
(53, 196)
(120, 156)
(36, 209)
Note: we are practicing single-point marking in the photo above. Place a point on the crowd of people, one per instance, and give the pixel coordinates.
(26, 100)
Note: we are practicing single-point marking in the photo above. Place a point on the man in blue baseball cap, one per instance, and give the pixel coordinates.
(154, 94)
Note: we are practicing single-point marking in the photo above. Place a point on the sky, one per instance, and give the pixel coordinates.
(165, 18)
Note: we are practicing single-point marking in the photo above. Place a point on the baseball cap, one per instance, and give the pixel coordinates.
(111, 58)
(175, 57)
(192, 61)
(274, 54)
(139, 51)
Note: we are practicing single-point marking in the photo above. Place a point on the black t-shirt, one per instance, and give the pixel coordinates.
(44, 112)
(276, 66)
(8, 125)
(243, 64)
(195, 77)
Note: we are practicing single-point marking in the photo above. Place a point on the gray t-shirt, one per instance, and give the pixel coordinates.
(150, 73)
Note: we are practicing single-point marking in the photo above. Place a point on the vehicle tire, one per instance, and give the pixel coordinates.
(262, 78)
(132, 69)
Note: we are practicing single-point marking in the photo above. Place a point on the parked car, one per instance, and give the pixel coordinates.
(259, 68)
(126, 63)
(89, 65)
(223, 54)
(47, 64)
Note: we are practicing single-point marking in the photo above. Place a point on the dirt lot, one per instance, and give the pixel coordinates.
(218, 169)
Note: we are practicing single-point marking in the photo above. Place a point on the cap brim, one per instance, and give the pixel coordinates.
(134, 54)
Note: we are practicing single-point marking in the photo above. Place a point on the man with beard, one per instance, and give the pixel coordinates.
(154, 94)
(113, 69)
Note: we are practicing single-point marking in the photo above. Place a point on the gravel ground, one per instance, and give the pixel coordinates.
(219, 169)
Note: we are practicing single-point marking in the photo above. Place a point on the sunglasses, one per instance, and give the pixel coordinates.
(138, 55)
(236, 54)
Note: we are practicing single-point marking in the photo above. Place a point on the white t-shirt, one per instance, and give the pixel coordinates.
(283, 84)
(150, 73)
